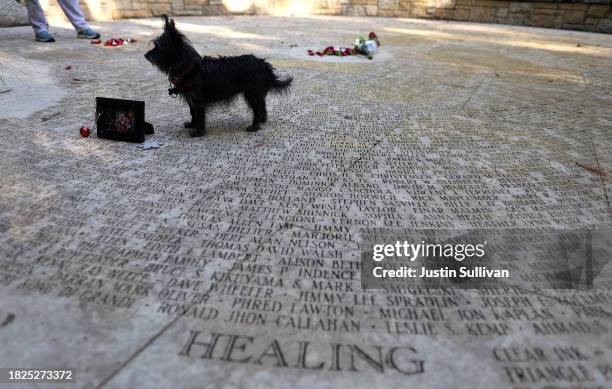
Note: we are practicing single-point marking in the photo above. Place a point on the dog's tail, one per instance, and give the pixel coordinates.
(281, 86)
(274, 82)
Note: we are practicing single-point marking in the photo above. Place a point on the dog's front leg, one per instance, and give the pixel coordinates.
(200, 121)
(191, 124)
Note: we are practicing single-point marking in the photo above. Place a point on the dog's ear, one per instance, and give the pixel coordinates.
(170, 27)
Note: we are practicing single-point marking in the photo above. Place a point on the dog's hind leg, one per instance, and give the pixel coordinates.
(264, 111)
(199, 121)
(191, 124)
(258, 105)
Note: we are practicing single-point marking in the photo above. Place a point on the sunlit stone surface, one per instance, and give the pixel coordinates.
(233, 259)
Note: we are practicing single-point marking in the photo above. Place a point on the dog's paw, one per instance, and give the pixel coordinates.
(252, 128)
(196, 133)
(189, 125)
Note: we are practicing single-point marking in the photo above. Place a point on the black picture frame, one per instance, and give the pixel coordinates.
(119, 119)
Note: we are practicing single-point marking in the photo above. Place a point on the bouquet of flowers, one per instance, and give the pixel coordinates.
(367, 47)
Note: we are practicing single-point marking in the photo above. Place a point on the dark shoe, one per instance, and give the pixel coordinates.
(88, 33)
(44, 36)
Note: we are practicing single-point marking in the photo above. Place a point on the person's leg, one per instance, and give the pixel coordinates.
(37, 19)
(73, 13)
(36, 16)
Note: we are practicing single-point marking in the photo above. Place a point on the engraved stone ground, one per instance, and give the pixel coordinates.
(234, 259)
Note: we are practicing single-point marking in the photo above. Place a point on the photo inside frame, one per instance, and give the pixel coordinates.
(121, 120)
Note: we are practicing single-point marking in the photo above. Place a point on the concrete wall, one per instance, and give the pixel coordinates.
(586, 15)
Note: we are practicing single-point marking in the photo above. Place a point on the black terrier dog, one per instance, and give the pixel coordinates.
(205, 80)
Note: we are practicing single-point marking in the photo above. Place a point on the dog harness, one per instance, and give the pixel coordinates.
(183, 81)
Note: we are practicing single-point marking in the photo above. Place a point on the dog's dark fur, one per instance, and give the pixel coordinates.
(205, 80)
